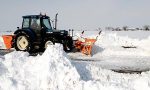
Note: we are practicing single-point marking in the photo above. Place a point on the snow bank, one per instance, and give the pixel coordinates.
(144, 44)
(51, 71)
(54, 71)
(102, 79)
(112, 44)
(112, 39)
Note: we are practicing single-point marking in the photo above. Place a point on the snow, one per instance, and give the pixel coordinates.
(57, 70)
(52, 70)
(6, 32)
(112, 43)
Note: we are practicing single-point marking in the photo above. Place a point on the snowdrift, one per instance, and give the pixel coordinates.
(54, 71)
(112, 43)
(51, 71)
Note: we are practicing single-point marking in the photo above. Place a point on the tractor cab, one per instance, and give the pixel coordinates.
(37, 23)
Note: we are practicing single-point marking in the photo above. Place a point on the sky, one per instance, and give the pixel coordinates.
(77, 14)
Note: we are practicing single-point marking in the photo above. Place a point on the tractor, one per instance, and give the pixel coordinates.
(37, 33)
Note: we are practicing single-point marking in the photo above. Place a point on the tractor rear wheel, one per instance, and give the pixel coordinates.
(22, 42)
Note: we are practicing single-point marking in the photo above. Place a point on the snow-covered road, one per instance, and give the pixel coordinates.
(118, 63)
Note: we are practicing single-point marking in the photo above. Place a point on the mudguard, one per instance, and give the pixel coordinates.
(29, 32)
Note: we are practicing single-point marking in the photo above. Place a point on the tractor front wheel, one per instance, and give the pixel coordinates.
(48, 42)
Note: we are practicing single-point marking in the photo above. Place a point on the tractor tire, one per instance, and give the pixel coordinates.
(22, 42)
(68, 45)
(46, 43)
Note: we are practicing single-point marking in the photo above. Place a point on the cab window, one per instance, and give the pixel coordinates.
(35, 24)
(25, 23)
(46, 23)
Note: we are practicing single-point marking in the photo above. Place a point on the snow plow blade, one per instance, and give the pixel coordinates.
(86, 46)
(6, 41)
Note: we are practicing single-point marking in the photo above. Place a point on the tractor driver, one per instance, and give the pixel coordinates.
(35, 24)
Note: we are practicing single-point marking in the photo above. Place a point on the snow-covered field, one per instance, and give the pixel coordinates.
(57, 70)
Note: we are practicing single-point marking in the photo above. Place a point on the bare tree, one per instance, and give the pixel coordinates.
(109, 28)
(125, 28)
(137, 28)
(118, 29)
(146, 27)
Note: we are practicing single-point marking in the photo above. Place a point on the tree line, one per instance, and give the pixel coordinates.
(127, 28)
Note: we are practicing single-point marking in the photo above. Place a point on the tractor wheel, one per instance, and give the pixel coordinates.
(22, 42)
(68, 45)
(48, 42)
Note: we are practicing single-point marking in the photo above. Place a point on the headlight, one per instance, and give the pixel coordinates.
(61, 32)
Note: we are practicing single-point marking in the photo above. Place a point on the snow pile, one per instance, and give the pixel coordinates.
(144, 44)
(112, 44)
(51, 71)
(54, 71)
(101, 79)
(120, 81)
(112, 39)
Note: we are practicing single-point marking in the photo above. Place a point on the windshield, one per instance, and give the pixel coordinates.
(47, 24)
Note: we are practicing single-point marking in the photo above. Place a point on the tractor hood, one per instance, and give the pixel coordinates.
(59, 32)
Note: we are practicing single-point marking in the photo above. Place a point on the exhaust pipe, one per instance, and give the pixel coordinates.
(56, 21)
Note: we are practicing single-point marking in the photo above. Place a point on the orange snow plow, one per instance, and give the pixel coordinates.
(85, 45)
(6, 41)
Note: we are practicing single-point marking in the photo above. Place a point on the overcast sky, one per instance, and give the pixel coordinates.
(78, 14)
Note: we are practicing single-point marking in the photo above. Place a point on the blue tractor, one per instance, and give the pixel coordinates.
(37, 33)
